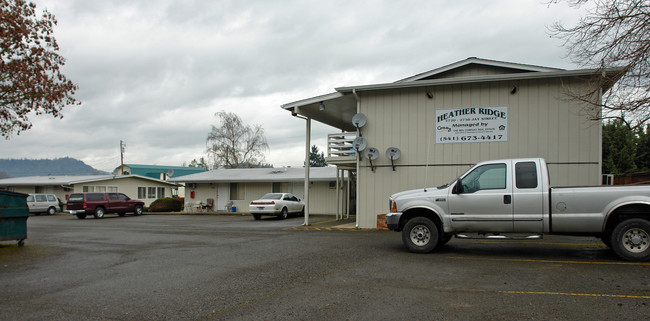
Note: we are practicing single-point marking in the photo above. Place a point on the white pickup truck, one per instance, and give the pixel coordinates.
(495, 198)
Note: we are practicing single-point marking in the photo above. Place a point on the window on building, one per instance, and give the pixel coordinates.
(280, 187)
(142, 192)
(39, 189)
(161, 192)
(236, 191)
(151, 192)
(98, 189)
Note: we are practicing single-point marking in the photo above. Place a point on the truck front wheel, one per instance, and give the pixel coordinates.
(631, 240)
(99, 212)
(420, 235)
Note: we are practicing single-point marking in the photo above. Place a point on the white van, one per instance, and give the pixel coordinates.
(43, 203)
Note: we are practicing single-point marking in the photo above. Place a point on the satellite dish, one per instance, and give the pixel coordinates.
(393, 153)
(170, 172)
(372, 154)
(359, 120)
(359, 144)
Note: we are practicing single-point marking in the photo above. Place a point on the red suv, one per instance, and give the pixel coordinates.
(98, 204)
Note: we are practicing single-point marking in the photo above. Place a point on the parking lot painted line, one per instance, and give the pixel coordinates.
(552, 261)
(646, 297)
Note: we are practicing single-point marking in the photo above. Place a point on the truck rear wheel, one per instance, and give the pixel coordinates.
(420, 235)
(631, 240)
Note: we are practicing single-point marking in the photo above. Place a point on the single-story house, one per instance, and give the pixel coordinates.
(237, 187)
(427, 129)
(146, 189)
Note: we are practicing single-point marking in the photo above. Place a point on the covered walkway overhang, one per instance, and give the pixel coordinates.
(336, 110)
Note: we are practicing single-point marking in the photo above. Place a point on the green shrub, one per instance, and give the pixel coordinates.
(166, 204)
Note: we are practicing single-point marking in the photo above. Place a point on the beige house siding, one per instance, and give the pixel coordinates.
(323, 198)
(541, 124)
(56, 190)
(122, 184)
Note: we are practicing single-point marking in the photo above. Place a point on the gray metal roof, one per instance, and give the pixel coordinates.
(241, 175)
(478, 61)
(611, 72)
(67, 180)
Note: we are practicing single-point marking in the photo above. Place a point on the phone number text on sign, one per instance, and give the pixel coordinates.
(472, 125)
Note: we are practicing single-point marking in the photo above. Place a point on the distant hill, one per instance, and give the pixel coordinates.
(45, 167)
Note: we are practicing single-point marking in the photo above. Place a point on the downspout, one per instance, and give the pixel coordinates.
(307, 143)
(354, 92)
(600, 135)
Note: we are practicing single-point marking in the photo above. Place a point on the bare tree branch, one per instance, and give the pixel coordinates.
(614, 33)
(233, 144)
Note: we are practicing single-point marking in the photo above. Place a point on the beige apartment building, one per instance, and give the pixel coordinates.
(427, 129)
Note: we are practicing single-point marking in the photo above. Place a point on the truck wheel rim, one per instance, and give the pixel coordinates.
(420, 235)
(636, 240)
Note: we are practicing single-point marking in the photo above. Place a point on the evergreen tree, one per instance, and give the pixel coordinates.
(316, 159)
(643, 150)
(619, 148)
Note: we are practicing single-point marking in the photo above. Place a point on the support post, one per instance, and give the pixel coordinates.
(307, 149)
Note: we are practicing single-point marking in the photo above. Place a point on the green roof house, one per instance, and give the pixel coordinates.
(161, 172)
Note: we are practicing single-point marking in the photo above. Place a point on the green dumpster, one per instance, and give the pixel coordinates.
(13, 216)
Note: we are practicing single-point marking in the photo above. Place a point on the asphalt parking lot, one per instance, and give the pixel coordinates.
(226, 267)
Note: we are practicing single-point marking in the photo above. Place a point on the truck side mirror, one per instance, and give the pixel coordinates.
(458, 188)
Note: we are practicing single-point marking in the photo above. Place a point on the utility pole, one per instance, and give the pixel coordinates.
(122, 148)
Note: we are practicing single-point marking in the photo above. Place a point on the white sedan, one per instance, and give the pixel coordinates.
(278, 204)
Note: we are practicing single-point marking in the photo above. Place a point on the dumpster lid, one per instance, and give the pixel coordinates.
(15, 194)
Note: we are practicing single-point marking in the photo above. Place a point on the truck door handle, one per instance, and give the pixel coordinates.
(507, 199)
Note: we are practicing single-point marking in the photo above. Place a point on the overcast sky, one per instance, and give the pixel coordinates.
(153, 73)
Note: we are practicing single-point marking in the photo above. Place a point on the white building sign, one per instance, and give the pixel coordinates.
(472, 125)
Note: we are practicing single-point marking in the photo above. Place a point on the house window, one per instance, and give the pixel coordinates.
(236, 191)
(151, 192)
(280, 187)
(39, 189)
(98, 189)
(161, 192)
(142, 192)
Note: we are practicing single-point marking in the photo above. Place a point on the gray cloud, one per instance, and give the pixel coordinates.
(153, 73)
